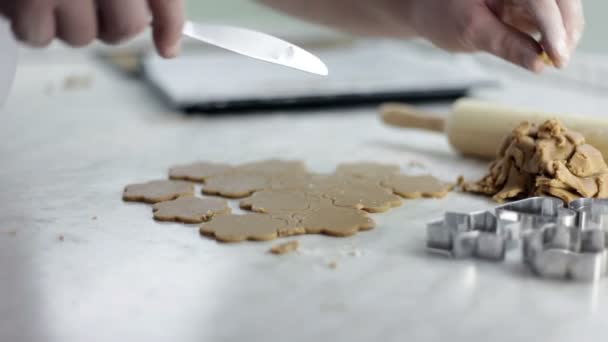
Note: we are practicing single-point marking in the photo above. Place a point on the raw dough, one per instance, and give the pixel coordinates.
(236, 184)
(285, 248)
(334, 221)
(190, 209)
(157, 191)
(283, 198)
(367, 170)
(280, 201)
(369, 197)
(417, 186)
(236, 228)
(273, 166)
(198, 172)
(545, 160)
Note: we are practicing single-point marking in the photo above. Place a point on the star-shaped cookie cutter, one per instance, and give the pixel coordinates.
(556, 241)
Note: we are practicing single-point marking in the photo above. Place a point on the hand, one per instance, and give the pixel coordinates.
(504, 28)
(79, 22)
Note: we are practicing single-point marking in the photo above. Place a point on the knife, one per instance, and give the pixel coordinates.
(256, 45)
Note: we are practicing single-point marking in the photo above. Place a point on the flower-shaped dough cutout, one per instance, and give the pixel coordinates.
(279, 201)
(157, 191)
(335, 221)
(236, 184)
(417, 186)
(190, 209)
(369, 197)
(199, 171)
(236, 228)
(368, 170)
(274, 166)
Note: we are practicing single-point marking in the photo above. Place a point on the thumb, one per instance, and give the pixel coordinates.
(497, 38)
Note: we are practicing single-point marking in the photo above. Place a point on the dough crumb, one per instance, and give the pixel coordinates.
(548, 160)
(94, 218)
(285, 248)
(333, 265)
(61, 237)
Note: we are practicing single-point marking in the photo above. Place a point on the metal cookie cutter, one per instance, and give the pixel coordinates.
(530, 214)
(578, 251)
(467, 235)
(558, 251)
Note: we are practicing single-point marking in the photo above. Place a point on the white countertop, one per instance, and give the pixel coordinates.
(66, 155)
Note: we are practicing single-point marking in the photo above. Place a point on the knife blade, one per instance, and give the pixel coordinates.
(256, 45)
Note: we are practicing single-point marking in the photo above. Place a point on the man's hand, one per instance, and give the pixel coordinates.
(505, 28)
(80, 22)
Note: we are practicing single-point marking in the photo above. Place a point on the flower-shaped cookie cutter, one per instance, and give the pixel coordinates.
(579, 251)
(467, 235)
(557, 242)
(530, 214)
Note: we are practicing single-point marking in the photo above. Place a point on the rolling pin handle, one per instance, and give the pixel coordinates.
(405, 116)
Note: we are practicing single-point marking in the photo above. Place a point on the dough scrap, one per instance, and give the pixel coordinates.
(157, 191)
(417, 186)
(199, 171)
(285, 248)
(237, 228)
(368, 170)
(548, 160)
(190, 209)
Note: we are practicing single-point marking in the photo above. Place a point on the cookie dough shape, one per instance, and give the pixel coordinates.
(367, 170)
(199, 171)
(417, 186)
(273, 166)
(236, 185)
(280, 201)
(369, 197)
(157, 191)
(335, 221)
(190, 209)
(237, 228)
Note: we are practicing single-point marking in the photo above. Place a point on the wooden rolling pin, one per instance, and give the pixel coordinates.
(477, 128)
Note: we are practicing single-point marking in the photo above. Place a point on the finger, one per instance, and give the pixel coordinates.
(76, 22)
(120, 20)
(7, 9)
(168, 21)
(495, 37)
(574, 20)
(34, 22)
(548, 17)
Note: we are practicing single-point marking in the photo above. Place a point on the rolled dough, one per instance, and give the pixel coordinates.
(157, 191)
(190, 209)
(198, 172)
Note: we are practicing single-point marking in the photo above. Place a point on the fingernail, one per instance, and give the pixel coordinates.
(564, 53)
(174, 50)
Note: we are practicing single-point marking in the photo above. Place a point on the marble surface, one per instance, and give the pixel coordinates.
(78, 264)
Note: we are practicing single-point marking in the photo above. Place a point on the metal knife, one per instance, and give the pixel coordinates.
(256, 45)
